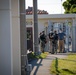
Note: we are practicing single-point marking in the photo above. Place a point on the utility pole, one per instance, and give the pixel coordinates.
(67, 36)
(35, 20)
(23, 38)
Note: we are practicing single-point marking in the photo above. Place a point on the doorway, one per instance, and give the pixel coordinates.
(29, 39)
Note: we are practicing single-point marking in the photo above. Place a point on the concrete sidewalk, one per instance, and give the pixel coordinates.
(42, 66)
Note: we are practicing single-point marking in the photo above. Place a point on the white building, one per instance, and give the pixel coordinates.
(55, 20)
(12, 35)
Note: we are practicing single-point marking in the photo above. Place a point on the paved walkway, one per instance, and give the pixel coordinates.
(42, 66)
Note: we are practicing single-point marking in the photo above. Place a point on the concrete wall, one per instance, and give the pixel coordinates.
(43, 19)
(9, 38)
(16, 55)
(54, 18)
(40, 27)
(5, 38)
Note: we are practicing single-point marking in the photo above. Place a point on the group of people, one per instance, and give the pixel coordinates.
(53, 36)
(56, 41)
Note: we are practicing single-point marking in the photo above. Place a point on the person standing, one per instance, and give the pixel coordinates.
(43, 41)
(55, 42)
(47, 44)
(61, 38)
(51, 41)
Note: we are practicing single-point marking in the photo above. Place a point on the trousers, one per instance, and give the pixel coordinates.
(61, 45)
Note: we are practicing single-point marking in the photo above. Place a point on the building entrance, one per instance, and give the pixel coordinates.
(67, 30)
(29, 39)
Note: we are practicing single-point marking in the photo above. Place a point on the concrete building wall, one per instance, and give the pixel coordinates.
(40, 27)
(54, 18)
(5, 38)
(9, 38)
(15, 40)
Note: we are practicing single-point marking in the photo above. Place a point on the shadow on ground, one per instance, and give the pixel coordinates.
(36, 63)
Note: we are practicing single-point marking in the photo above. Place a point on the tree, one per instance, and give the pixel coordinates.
(69, 6)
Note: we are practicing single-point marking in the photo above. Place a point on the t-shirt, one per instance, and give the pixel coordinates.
(43, 38)
(61, 36)
(55, 36)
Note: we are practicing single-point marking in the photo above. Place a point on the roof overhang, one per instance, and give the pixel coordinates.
(50, 16)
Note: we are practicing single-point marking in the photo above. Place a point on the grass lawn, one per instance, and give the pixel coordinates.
(41, 56)
(66, 66)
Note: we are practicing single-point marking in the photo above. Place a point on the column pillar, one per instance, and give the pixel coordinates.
(74, 35)
(23, 36)
(35, 19)
(15, 37)
(5, 38)
(67, 36)
(9, 38)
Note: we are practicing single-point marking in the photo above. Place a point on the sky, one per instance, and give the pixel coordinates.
(51, 6)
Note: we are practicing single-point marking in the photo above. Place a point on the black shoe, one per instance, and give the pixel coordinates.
(64, 51)
(58, 52)
(52, 53)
